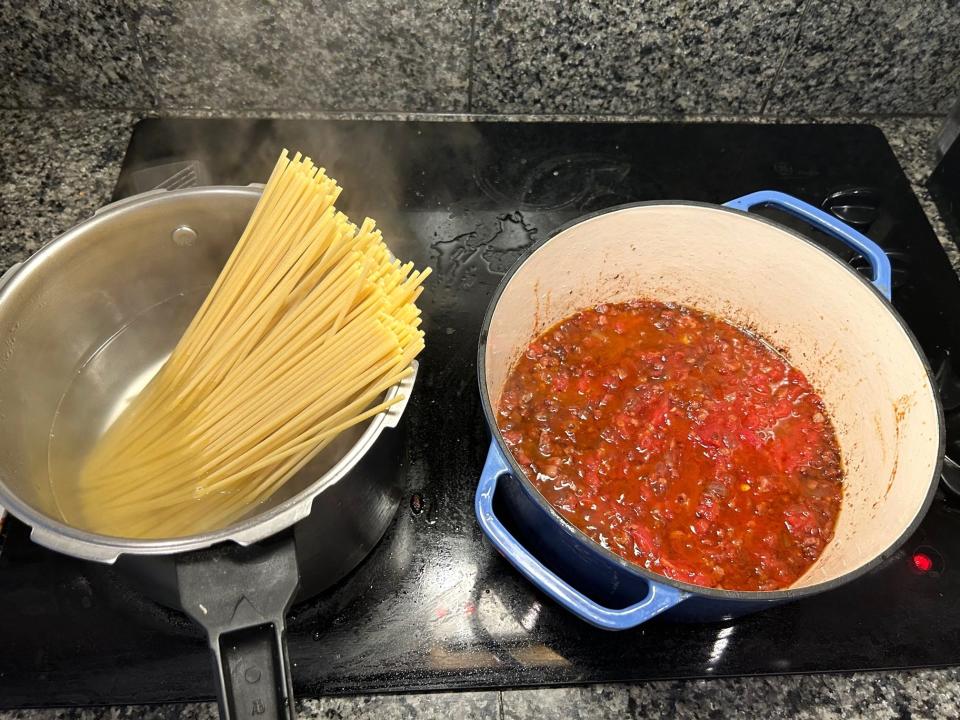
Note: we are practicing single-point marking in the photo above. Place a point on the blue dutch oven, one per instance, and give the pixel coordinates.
(833, 324)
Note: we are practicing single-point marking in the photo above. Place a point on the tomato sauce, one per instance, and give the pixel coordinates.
(678, 441)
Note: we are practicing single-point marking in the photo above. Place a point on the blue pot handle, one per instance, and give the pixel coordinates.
(879, 262)
(659, 597)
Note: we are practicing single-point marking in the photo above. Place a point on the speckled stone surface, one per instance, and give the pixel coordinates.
(870, 696)
(912, 141)
(59, 166)
(736, 57)
(435, 706)
(921, 694)
(657, 56)
(390, 55)
(66, 53)
(895, 56)
(186, 711)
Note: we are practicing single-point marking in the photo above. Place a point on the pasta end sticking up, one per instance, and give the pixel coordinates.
(308, 325)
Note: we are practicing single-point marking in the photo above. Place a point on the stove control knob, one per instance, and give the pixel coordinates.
(857, 206)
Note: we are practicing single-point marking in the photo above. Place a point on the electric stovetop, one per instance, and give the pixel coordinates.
(434, 606)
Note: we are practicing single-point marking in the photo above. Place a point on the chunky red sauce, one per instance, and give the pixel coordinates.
(679, 442)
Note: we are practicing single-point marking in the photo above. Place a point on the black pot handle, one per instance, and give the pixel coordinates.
(240, 596)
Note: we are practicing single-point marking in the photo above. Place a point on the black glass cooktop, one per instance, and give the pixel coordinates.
(434, 606)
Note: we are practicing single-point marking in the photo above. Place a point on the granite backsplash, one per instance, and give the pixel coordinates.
(673, 57)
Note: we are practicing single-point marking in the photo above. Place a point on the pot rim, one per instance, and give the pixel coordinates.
(715, 593)
(87, 545)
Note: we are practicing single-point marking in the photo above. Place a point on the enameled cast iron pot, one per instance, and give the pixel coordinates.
(84, 323)
(832, 324)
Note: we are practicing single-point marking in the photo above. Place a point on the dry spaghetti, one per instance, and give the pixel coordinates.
(307, 326)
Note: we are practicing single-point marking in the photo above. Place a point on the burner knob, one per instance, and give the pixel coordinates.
(857, 206)
(950, 477)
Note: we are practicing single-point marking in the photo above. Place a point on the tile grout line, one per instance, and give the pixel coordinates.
(794, 44)
(500, 704)
(471, 46)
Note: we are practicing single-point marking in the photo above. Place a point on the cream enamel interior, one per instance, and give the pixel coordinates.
(829, 325)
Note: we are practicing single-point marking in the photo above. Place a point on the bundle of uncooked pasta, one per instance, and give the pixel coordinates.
(308, 325)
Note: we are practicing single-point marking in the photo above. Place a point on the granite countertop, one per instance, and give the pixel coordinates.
(57, 167)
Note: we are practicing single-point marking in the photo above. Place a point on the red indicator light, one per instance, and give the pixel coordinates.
(922, 562)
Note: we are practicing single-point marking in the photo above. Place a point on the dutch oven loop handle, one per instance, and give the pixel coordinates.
(240, 596)
(659, 597)
(826, 223)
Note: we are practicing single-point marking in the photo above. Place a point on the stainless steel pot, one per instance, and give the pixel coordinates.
(83, 324)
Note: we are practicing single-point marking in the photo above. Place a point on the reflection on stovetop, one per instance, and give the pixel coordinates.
(433, 606)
